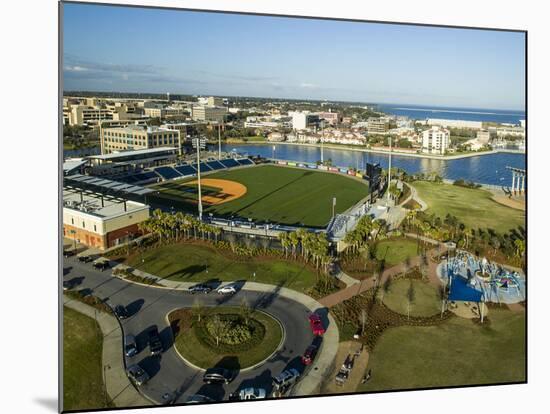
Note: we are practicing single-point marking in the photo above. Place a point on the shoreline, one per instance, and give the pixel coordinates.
(377, 151)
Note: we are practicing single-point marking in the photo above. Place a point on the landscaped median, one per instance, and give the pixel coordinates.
(234, 338)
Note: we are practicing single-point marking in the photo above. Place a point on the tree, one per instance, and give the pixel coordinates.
(245, 311)
(410, 298)
(386, 286)
(218, 327)
(198, 309)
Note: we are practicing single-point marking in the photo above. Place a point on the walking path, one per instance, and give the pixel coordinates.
(118, 386)
(363, 285)
(416, 197)
(310, 383)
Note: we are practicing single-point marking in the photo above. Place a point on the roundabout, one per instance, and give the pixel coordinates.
(226, 337)
(172, 379)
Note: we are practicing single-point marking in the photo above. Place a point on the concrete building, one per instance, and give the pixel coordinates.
(209, 113)
(135, 137)
(214, 101)
(129, 161)
(101, 222)
(84, 115)
(378, 125)
(332, 118)
(303, 120)
(435, 140)
(163, 112)
(483, 136)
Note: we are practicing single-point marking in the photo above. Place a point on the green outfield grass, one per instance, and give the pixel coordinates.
(473, 207)
(83, 386)
(198, 263)
(457, 352)
(275, 194)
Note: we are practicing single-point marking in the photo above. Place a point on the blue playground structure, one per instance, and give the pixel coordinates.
(477, 280)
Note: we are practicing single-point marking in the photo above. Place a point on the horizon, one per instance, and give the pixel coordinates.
(123, 49)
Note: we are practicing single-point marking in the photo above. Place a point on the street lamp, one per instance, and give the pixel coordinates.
(199, 143)
(389, 173)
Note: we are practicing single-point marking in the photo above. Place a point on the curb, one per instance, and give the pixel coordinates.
(257, 365)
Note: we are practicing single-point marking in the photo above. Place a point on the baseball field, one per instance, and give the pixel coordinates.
(269, 193)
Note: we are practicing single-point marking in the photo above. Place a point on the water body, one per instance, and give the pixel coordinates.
(465, 114)
(484, 169)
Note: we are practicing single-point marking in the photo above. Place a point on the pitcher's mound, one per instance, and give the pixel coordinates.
(227, 190)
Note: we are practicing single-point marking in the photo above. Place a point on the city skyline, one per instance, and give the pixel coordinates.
(122, 49)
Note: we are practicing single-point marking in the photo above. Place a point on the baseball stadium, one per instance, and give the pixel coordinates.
(283, 194)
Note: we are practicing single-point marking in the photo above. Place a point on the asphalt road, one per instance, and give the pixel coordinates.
(171, 377)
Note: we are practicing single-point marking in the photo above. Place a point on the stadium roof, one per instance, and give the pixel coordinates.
(122, 154)
(71, 165)
(102, 185)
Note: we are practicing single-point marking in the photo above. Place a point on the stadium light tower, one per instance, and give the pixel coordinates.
(220, 140)
(199, 143)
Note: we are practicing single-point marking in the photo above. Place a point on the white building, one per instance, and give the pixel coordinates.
(303, 120)
(435, 140)
(455, 123)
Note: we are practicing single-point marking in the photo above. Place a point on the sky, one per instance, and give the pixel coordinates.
(108, 48)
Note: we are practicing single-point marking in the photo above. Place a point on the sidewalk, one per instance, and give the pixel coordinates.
(117, 384)
(365, 284)
(310, 383)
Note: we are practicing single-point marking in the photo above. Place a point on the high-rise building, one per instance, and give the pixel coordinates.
(303, 120)
(378, 125)
(435, 140)
(214, 101)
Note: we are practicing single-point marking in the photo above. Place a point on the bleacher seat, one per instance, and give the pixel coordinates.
(215, 165)
(167, 172)
(229, 163)
(185, 170)
(245, 161)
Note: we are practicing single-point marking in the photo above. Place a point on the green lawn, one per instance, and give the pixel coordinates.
(204, 355)
(426, 298)
(276, 194)
(473, 207)
(83, 386)
(196, 263)
(395, 251)
(458, 352)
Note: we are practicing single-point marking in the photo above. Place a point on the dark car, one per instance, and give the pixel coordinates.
(102, 265)
(155, 345)
(120, 312)
(217, 376)
(200, 288)
(84, 259)
(137, 374)
(309, 355)
(130, 346)
(67, 285)
(68, 253)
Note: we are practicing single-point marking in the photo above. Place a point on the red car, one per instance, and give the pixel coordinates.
(316, 324)
(309, 355)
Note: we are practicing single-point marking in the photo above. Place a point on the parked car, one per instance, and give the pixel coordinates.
(316, 324)
(285, 378)
(137, 374)
(67, 285)
(248, 394)
(227, 290)
(197, 399)
(130, 346)
(217, 376)
(120, 312)
(309, 355)
(155, 345)
(69, 253)
(84, 259)
(200, 288)
(101, 265)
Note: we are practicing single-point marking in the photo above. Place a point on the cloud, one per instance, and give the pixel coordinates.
(308, 85)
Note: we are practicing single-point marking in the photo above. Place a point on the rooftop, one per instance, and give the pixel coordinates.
(91, 204)
(122, 154)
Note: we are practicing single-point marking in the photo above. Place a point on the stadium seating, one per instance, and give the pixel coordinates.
(185, 170)
(215, 165)
(144, 176)
(245, 161)
(167, 172)
(229, 163)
